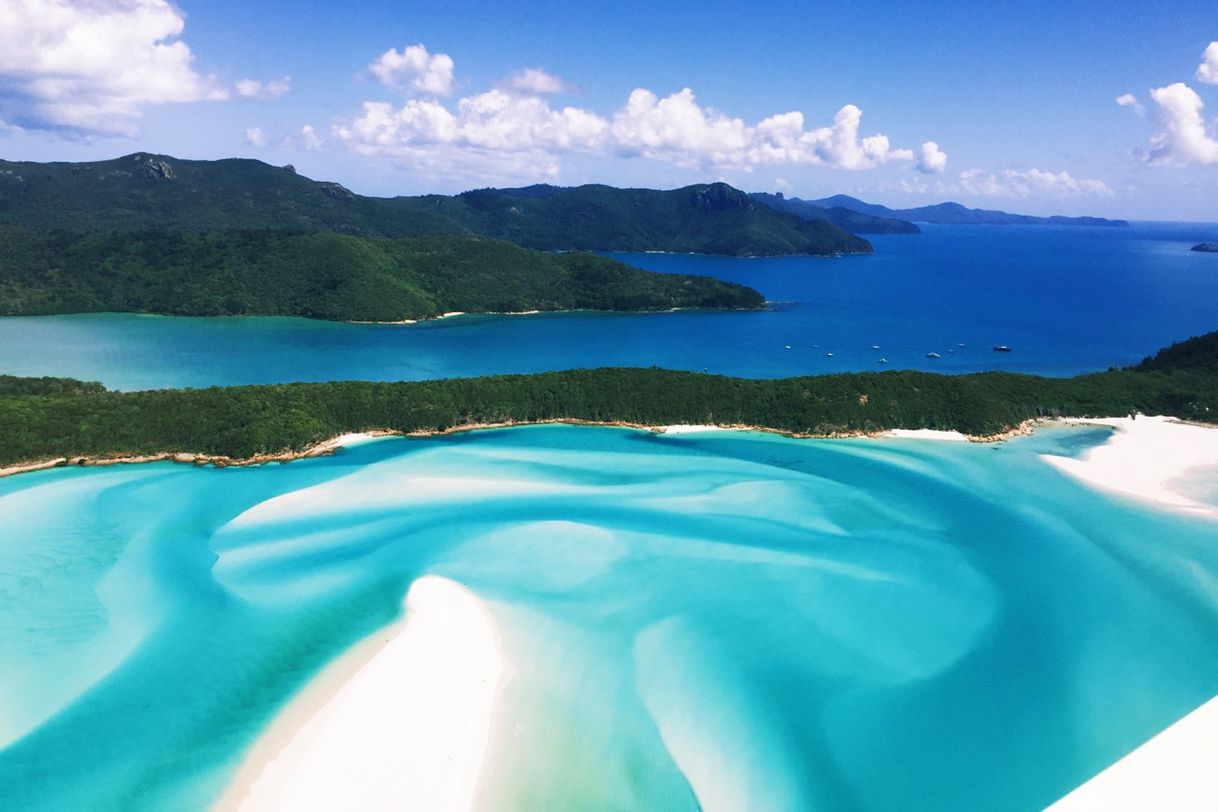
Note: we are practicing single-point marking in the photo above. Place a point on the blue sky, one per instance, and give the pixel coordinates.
(1019, 103)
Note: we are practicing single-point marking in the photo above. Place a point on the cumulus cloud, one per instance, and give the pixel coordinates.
(1183, 138)
(1027, 183)
(1207, 71)
(932, 160)
(306, 139)
(1130, 100)
(675, 129)
(415, 68)
(93, 66)
(255, 137)
(264, 91)
(534, 82)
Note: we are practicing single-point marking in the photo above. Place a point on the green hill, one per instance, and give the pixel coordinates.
(52, 418)
(144, 191)
(325, 275)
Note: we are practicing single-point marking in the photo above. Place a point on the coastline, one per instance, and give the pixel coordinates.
(1143, 458)
(1172, 770)
(330, 445)
(403, 719)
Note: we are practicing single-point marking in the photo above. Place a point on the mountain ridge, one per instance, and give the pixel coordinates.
(151, 191)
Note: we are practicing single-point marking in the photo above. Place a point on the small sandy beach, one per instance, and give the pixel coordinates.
(1143, 458)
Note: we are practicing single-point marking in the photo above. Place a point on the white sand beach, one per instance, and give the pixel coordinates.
(1173, 772)
(401, 722)
(690, 429)
(926, 434)
(1143, 458)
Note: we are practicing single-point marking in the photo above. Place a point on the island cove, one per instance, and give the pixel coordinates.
(57, 420)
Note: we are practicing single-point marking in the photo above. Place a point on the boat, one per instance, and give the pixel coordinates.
(788, 346)
(1002, 348)
(933, 355)
(875, 346)
(882, 361)
(829, 354)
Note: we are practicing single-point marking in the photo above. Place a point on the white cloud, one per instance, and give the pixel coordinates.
(416, 69)
(674, 129)
(1183, 139)
(94, 65)
(265, 91)
(1130, 100)
(932, 160)
(1207, 71)
(534, 82)
(255, 137)
(839, 146)
(1027, 183)
(307, 139)
(494, 120)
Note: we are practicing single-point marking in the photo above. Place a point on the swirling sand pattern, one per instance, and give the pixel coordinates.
(719, 621)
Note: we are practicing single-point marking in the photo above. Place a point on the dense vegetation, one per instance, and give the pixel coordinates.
(856, 222)
(142, 191)
(48, 418)
(325, 275)
(956, 214)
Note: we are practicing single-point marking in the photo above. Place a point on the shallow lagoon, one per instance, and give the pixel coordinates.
(844, 623)
(1066, 300)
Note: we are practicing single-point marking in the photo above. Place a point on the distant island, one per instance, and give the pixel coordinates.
(145, 191)
(56, 421)
(1206, 247)
(326, 275)
(956, 214)
(856, 222)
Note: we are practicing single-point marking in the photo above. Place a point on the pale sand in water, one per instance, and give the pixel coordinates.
(1144, 457)
(403, 721)
(1176, 771)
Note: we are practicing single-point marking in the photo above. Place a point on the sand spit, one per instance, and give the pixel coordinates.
(403, 721)
(1143, 459)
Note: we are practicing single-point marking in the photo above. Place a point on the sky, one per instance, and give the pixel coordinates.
(1081, 108)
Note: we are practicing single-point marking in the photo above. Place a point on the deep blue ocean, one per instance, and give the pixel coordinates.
(1064, 299)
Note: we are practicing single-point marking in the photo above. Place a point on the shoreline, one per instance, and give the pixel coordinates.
(426, 319)
(1171, 770)
(330, 445)
(402, 719)
(1143, 458)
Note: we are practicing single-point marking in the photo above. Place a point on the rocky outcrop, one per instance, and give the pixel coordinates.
(154, 168)
(719, 197)
(338, 192)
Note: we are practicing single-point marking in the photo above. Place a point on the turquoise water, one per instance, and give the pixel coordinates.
(1066, 300)
(839, 624)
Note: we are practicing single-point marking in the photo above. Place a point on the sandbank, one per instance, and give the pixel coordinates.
(402, 721)
(1173, 771)
(1143, 459)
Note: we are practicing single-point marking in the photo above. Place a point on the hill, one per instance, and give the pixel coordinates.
(144, 191)
(325, 275)
(43, 419)
(855, 222)
(956, 214)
